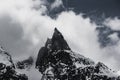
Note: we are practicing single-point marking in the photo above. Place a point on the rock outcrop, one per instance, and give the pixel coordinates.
(7, 68)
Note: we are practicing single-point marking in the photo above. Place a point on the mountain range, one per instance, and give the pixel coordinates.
(56, 61)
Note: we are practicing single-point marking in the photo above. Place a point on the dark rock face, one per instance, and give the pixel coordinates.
(56, 61)
(9, 73)
(58, 42)
(7, 68)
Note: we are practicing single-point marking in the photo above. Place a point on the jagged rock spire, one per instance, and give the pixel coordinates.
(58, 41)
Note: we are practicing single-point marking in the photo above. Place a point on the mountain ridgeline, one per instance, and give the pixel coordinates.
(7, 68)
(56, 61)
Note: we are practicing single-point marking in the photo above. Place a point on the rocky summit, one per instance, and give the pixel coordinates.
(56, 61)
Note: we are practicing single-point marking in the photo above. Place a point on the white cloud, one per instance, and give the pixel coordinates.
(113, 23)
(56, 4)
(114, 37)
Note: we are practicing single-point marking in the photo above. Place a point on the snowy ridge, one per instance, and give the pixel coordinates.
(5, 57)
(7, 67)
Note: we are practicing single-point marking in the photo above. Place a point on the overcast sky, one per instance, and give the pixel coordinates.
(24, 29)
(109, 7)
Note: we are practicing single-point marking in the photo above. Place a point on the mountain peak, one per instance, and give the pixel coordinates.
(58, 41)
(56, 30)
(57, 61)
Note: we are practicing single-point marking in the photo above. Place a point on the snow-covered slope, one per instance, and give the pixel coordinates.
(5, 58)
(56, 61)
(7, 68)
